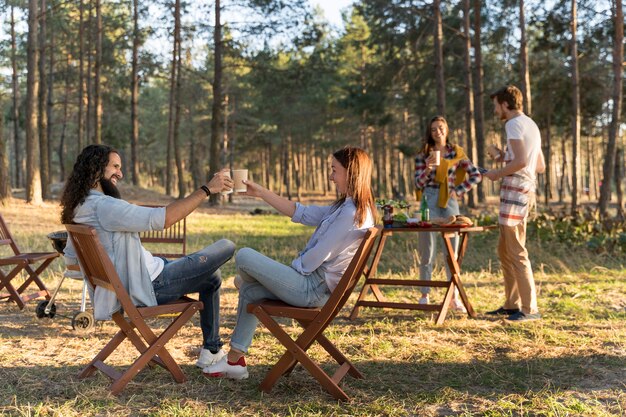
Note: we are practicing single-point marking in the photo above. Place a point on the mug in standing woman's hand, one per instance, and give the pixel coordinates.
(434, 159)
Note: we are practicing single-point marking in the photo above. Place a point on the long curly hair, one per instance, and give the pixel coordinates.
(359, 166)
(88, 169)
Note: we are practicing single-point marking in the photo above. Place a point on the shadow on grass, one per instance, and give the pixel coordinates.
(425, 381)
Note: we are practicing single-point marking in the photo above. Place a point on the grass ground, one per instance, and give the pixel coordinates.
(573, 362)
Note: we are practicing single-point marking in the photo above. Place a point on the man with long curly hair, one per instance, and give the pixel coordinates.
(91, 197)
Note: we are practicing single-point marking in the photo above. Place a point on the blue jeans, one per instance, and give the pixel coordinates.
(427, 242)
(198, 272)
(265, 278)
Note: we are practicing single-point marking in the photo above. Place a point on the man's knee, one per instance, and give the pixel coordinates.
(227, 246)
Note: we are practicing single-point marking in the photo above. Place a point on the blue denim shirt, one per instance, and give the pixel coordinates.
(334, 241)
(118, 224)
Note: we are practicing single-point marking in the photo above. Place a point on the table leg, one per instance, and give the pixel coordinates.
(368, 273)
(454, 263)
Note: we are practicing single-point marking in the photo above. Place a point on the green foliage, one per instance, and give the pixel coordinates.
(607, 237)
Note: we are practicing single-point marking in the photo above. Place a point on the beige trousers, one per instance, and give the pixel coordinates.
(519, 283)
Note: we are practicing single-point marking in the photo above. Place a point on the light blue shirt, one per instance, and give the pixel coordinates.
(118, 224)
(334, 242)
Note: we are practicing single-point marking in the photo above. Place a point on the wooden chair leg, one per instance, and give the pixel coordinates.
(155, 351)
(13, 293)
(295, 353)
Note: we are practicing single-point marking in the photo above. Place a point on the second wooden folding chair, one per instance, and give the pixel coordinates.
(99, 270)
(314, 321)
(22, 262)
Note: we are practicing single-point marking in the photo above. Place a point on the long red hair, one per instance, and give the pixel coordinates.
(359, 166)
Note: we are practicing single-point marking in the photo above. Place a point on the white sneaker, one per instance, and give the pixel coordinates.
(224, 369)
(424, 300)
(207, 358)
(457, 305)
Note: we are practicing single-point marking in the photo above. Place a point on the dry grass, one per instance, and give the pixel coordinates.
(570, 363)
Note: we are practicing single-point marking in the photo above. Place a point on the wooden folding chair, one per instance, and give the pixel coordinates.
(22, 262)
(99, 270)
(174, 238)
(314, 321)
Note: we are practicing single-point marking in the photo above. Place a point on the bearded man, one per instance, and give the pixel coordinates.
(91, 197)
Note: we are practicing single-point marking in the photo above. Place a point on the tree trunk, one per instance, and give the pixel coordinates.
(5, 182)
(525, 72)
(479, 114)
(470, 130)
(575, 112)
(97, 78)
(33, 177)
(80, 123)
(216, 112)
(44, 166)
(134, 97)
(619, 178)
(169, 171)
(563, 170)
(61, 149)
(180, 165)
(88, 89)
(609, 160)
(16, 104)
(50, 101)
(438, 39)
(548, 155)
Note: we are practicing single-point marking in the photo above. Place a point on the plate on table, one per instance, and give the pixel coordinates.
(413, 222)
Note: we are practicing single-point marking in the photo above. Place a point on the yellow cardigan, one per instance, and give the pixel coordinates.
(441, 176)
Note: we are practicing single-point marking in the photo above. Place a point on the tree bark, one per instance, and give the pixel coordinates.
(525, 72)
(50, 100)
(438, 40)
(80, 122)
(169, 171)
(44, 163)
(61, 148)
(97, 77)
(16, 101)
(88, 88)
(609, 160)
(33, 176)
(180, 165)
(5, 182)
(479, 114)
(470, 129)
(575, 111)
(216, 113)
(134, 97)
(619, 178)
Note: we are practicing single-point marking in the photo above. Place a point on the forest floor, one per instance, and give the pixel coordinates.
(572, 362)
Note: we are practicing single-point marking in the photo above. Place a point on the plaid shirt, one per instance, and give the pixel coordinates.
(422, 179)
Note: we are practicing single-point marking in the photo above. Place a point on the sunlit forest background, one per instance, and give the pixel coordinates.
(183, 88)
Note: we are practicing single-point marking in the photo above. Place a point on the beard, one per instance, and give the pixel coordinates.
(110, 189)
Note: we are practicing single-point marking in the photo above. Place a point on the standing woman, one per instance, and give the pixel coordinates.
(315, 272)
(442, 185)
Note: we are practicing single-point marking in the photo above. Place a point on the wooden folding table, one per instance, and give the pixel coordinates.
(447, 233)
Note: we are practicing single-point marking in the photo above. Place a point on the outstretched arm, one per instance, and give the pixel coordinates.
(181, 208)
(283, 205)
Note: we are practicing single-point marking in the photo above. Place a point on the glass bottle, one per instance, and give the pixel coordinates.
(424, 212)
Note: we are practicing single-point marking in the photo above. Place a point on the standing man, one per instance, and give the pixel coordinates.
(91, 197)
(522, 159)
